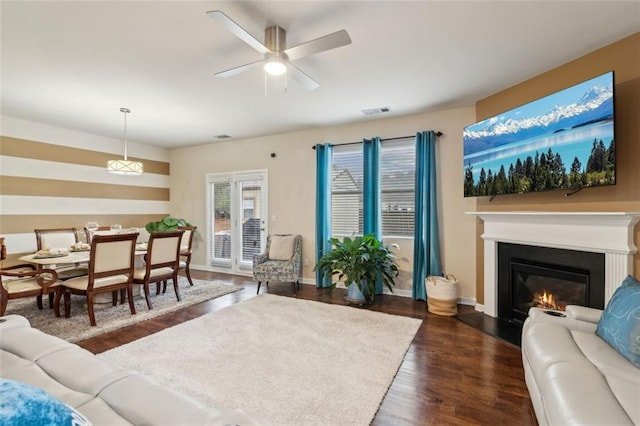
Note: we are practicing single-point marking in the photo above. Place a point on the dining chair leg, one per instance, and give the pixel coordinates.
(3, 306)
(188, 272)
(39, 301)
(51, 295)
(56, 302)
(132, 305)
(175, 287)
(114, 298)
(67, 303)
(92, 314)
(146, 295)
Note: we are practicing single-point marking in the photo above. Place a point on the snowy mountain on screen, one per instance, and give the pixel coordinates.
(596, 104)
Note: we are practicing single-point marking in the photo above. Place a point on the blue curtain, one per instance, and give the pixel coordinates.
(426, 243)
(323, 207)
(372, 212)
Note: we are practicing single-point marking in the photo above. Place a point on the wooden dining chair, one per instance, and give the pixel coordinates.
(111, 265)
(25, 280)
(102, 230)
(186, 247)
(61, 238)
(162, 262)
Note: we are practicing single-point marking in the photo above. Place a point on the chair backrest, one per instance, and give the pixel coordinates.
(56, 238)
(112, 255)
(102, 230)
(187, 238)
(163, 250)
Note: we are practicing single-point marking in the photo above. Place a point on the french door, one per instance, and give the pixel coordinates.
(237, 217)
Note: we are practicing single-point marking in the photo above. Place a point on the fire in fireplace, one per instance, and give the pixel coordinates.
(546, 300)
(547, 278)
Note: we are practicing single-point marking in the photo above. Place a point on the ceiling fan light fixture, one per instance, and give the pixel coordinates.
(124, 166)
(275, 64)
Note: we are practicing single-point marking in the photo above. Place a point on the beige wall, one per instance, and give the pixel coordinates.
(291, 177)
(623, 57)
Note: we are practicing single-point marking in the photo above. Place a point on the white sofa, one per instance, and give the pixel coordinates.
(574, 376)
(103, 392)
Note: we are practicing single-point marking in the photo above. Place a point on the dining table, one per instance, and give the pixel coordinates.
(72, 256)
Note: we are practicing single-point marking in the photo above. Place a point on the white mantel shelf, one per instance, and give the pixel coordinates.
(610, 233)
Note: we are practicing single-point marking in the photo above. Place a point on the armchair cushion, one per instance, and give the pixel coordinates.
(281, 247)
(620, 322)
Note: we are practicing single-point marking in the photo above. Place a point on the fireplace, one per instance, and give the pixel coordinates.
(608, 234)
(549, 278)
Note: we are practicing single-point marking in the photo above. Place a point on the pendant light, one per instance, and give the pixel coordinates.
(124, 166)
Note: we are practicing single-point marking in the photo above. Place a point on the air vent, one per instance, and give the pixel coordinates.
(374, 111)
(223, 136)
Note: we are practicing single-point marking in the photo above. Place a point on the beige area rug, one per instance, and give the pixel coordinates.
(287, 361)
(110, 318)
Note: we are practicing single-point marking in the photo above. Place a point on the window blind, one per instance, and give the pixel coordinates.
(346, 190)
(397, 183)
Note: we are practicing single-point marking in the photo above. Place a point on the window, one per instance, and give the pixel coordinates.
(346, 190)
(397, 186)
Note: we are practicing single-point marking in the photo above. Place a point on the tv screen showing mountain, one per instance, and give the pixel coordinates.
(562, 141)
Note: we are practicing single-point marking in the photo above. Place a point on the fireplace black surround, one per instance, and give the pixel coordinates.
(526, 272)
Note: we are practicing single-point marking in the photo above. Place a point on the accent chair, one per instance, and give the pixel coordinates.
(280, 261)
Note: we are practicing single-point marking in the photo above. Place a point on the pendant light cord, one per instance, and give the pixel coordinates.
(125, 111)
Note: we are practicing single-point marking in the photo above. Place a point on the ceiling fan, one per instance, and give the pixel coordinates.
(277, 56)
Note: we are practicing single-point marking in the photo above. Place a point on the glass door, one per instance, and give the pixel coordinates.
(238, 212)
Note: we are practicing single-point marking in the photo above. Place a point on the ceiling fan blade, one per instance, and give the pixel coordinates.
(330, 41)
(238, 31)
(301, 77)
(237, 70)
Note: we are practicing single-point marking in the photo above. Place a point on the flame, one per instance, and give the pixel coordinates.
(548, 301)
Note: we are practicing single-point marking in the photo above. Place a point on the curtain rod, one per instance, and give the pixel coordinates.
(381, 140)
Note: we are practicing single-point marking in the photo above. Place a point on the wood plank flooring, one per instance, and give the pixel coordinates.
(452, 373)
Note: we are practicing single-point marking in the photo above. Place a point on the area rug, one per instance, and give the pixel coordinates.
(110, 317)
(286, 360)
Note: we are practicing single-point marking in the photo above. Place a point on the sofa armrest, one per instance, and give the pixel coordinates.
(582, 313)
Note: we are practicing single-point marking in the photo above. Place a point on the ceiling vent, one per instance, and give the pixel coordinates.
(374, 111)
(223, 136)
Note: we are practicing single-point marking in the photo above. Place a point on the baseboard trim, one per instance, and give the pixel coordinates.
(402, 292)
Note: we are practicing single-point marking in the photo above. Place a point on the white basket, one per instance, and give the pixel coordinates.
(442, 294)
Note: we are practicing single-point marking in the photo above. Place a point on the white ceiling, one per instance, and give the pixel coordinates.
(74, 64)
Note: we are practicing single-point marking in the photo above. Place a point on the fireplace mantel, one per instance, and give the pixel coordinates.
(610, 233)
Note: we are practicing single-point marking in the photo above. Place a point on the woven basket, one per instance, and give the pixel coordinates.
(442, 295)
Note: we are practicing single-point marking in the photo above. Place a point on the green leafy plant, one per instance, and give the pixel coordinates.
(361, 261)
(168, 223)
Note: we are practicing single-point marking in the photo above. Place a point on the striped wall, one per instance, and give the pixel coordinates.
(52, 177)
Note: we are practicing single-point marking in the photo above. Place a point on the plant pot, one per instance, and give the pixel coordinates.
(355, 296)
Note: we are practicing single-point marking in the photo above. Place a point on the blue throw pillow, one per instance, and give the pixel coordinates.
(619, 325)
(23, 404)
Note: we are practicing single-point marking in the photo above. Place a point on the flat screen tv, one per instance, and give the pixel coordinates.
(561, 141)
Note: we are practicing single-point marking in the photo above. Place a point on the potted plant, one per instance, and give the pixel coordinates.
(359, 262)
(168, 223)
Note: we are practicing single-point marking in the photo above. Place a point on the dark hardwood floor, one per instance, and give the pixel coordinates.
(452, 374)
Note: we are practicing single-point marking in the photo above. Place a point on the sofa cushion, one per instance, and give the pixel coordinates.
(24, 404)
(620, 322)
